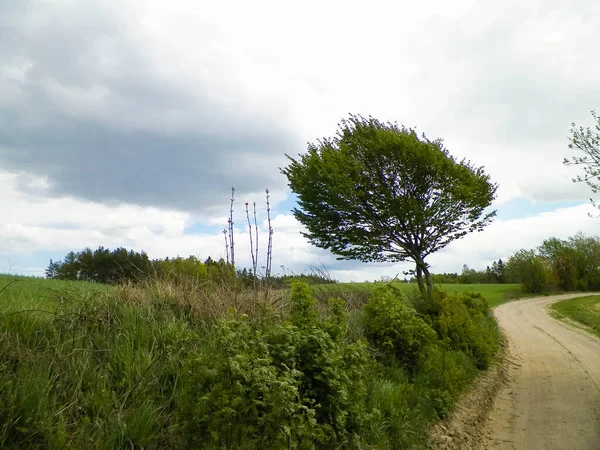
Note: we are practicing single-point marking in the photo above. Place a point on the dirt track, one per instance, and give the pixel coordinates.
(552, 398)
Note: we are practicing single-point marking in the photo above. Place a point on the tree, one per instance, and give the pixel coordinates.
(587, 141)
(468, 275)
(52, 270)
(379, 192)
(528, 269)
(561, 257)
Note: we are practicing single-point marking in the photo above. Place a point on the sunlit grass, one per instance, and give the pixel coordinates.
(585, 310)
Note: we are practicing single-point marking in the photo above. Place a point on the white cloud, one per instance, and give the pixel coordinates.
(165, 104)
(36, 223)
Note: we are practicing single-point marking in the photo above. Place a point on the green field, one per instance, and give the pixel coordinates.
(585, 310)
(19, 291)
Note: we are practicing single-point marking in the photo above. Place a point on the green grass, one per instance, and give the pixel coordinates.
(585, 310)
(84, 365)
(22, 292)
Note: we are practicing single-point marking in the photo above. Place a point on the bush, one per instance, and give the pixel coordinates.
(393, 326)
(428, 308)
(152, 366)
(466, 324)
(240, 399)
(446, 374)
(292, 385)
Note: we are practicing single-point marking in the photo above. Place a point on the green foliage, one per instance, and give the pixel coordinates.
(88, 366)
(238, 399)
(293, 386)
(393, 326)
(356, 191)
(562, 259)
(303, 313)
(558, 264)
(101, 266)
(528, 269)
(446, 373)
(465, 324)
(400, 411)
(491, 275)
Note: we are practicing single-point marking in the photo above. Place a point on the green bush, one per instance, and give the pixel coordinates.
(399, 411)
(465, 323)
(239, 399)
(127, 369)
(294, 385)
(393, 326)
(446, 374)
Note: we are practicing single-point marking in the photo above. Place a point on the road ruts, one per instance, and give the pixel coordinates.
(552, 397)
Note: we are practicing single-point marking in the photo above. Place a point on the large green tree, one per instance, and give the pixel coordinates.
(586, 141)
(379, 192)
(529, 269)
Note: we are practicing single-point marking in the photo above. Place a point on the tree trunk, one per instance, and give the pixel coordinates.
(419, 273)
(426, 287)
(429, 281)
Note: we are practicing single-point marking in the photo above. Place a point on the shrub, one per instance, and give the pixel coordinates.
(239, 399)
(465, 323)
(476, 304)
(446, 374)
(393, 326)
(428, 308)
(290, 385)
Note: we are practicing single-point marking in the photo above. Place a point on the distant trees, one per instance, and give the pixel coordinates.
(558, 264)
(496, 274)
(120, 265)
(114, 266)
(380, 192)
(101, 265)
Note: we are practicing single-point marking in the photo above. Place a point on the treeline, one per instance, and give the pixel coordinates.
(571, 264)
(494, 274)
(121, 265)
(558, 265)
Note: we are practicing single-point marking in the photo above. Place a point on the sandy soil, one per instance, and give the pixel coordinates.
(551, 399)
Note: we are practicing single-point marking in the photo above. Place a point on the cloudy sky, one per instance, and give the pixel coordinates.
(125, 123)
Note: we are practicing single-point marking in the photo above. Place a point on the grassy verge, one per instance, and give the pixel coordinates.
(495, 294)
(585, 310)
(169, 366)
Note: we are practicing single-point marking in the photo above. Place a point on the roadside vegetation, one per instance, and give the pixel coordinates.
(186, 364)
(357, 293)
(585, 310)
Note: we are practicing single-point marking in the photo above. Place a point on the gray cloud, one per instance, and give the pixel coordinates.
(83, 104)
(173, 115)
(527, 70)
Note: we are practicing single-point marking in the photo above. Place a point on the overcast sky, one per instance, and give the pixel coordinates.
(125, 123)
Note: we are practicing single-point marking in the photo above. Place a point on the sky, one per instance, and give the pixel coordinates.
(126, 123)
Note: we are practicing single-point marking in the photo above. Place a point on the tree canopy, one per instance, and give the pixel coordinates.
(379, 192)
(587, 142)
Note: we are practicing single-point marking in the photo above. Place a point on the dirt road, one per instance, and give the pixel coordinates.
(552, 399)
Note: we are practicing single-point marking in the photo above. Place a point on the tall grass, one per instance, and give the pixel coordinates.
(134, 366)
